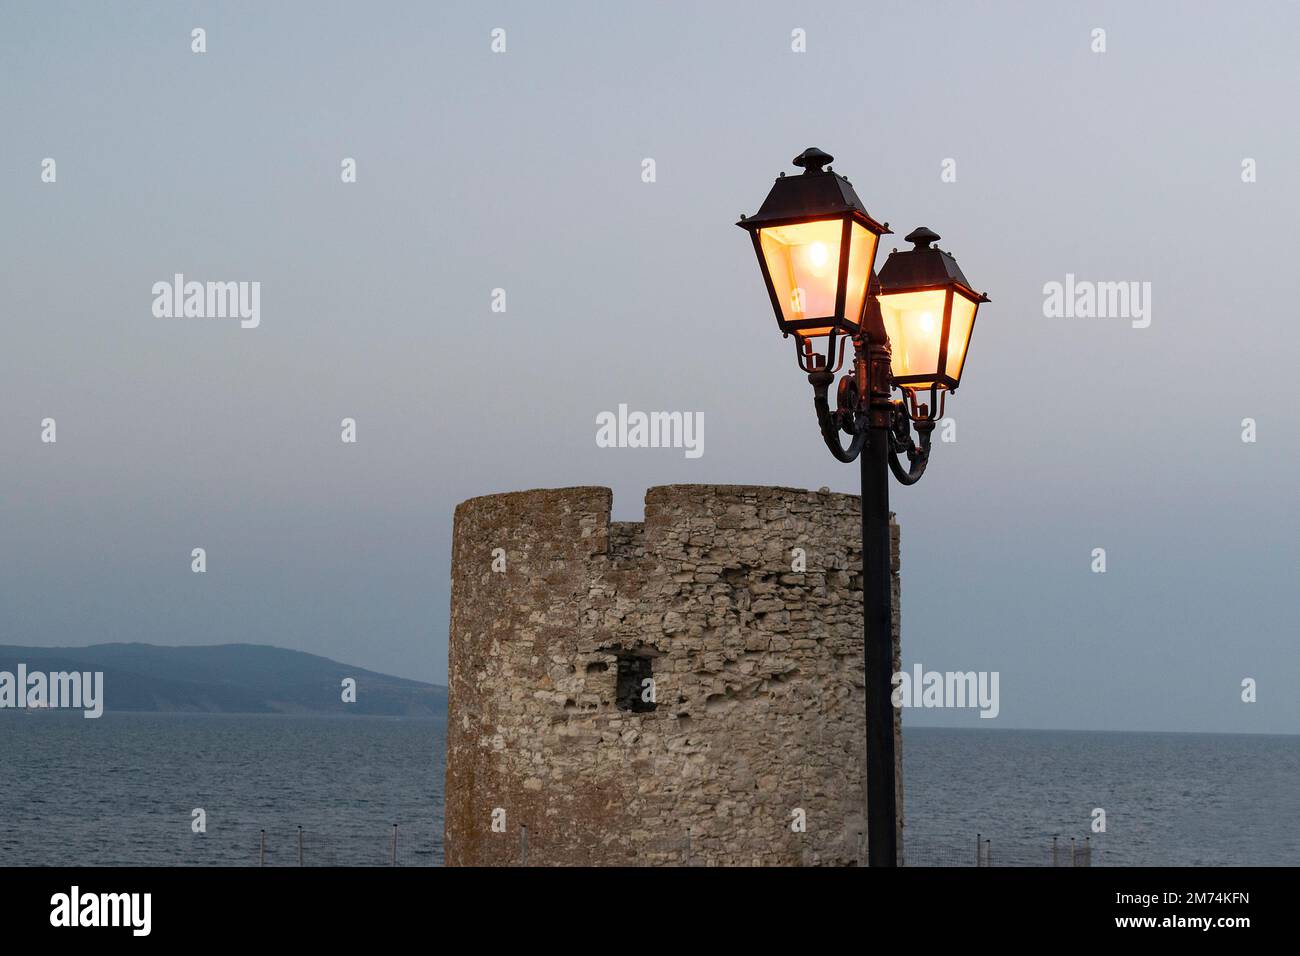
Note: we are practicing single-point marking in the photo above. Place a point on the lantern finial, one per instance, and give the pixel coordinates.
(922, 236)
(813, 159)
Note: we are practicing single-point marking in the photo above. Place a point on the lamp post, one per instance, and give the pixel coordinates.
(910, 329)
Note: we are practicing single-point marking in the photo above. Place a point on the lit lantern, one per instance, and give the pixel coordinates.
(816, 246)
(928, 309)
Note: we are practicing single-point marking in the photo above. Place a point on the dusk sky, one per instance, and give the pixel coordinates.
(523, 170)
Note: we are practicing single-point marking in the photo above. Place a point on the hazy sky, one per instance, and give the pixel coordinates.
(522, 170)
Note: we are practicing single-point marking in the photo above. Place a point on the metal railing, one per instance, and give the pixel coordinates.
(305, 847)
(1057, 852)
(283, 844)
(397, 846)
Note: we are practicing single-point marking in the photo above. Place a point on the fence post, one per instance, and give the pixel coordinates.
(300, 846)
(523, 844)
(688, 846)
(1087, 851)
(988, 852)
(261, 854)
(1073, 854)
(394, 863)
(977, 850)
(1054, 836)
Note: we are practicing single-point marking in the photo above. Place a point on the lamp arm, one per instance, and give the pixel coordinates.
(863, 407)
(901, 442)
(831, 422)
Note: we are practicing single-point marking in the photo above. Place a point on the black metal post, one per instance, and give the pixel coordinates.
(878, 644)
(868, 413)
(872, 375)
(878, 424)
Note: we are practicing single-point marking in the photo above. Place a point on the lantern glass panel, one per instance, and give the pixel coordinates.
(803, 261)
(862, 254)
(914, 321)
(959, 329)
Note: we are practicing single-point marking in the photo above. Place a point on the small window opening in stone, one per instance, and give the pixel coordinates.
(632, 691)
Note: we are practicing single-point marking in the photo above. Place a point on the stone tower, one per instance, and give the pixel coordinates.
(684, 690)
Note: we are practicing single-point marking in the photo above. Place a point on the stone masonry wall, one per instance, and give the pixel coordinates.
(757, 671)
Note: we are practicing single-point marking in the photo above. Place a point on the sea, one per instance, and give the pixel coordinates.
(227, 790)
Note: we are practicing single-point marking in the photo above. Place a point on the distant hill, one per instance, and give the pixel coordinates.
(230, 678)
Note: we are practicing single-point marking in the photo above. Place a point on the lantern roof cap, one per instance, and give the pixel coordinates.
(922, 236)
(819, 193)
(922, 266)
(813, 159)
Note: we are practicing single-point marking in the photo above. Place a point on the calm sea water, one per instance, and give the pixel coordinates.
(1170, 799)
(122, 790)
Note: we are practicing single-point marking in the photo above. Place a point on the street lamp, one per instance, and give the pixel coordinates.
(928, 309)
(816, 247)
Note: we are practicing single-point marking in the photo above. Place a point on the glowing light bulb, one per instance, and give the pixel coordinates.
(927, 322)
(818, 255)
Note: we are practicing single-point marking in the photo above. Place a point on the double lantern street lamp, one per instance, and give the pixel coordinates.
(910, 328)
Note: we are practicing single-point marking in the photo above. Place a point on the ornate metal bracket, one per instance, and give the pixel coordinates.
(865, 411)
(901, 442)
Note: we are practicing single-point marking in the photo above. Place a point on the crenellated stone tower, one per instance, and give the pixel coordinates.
(685, 690)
